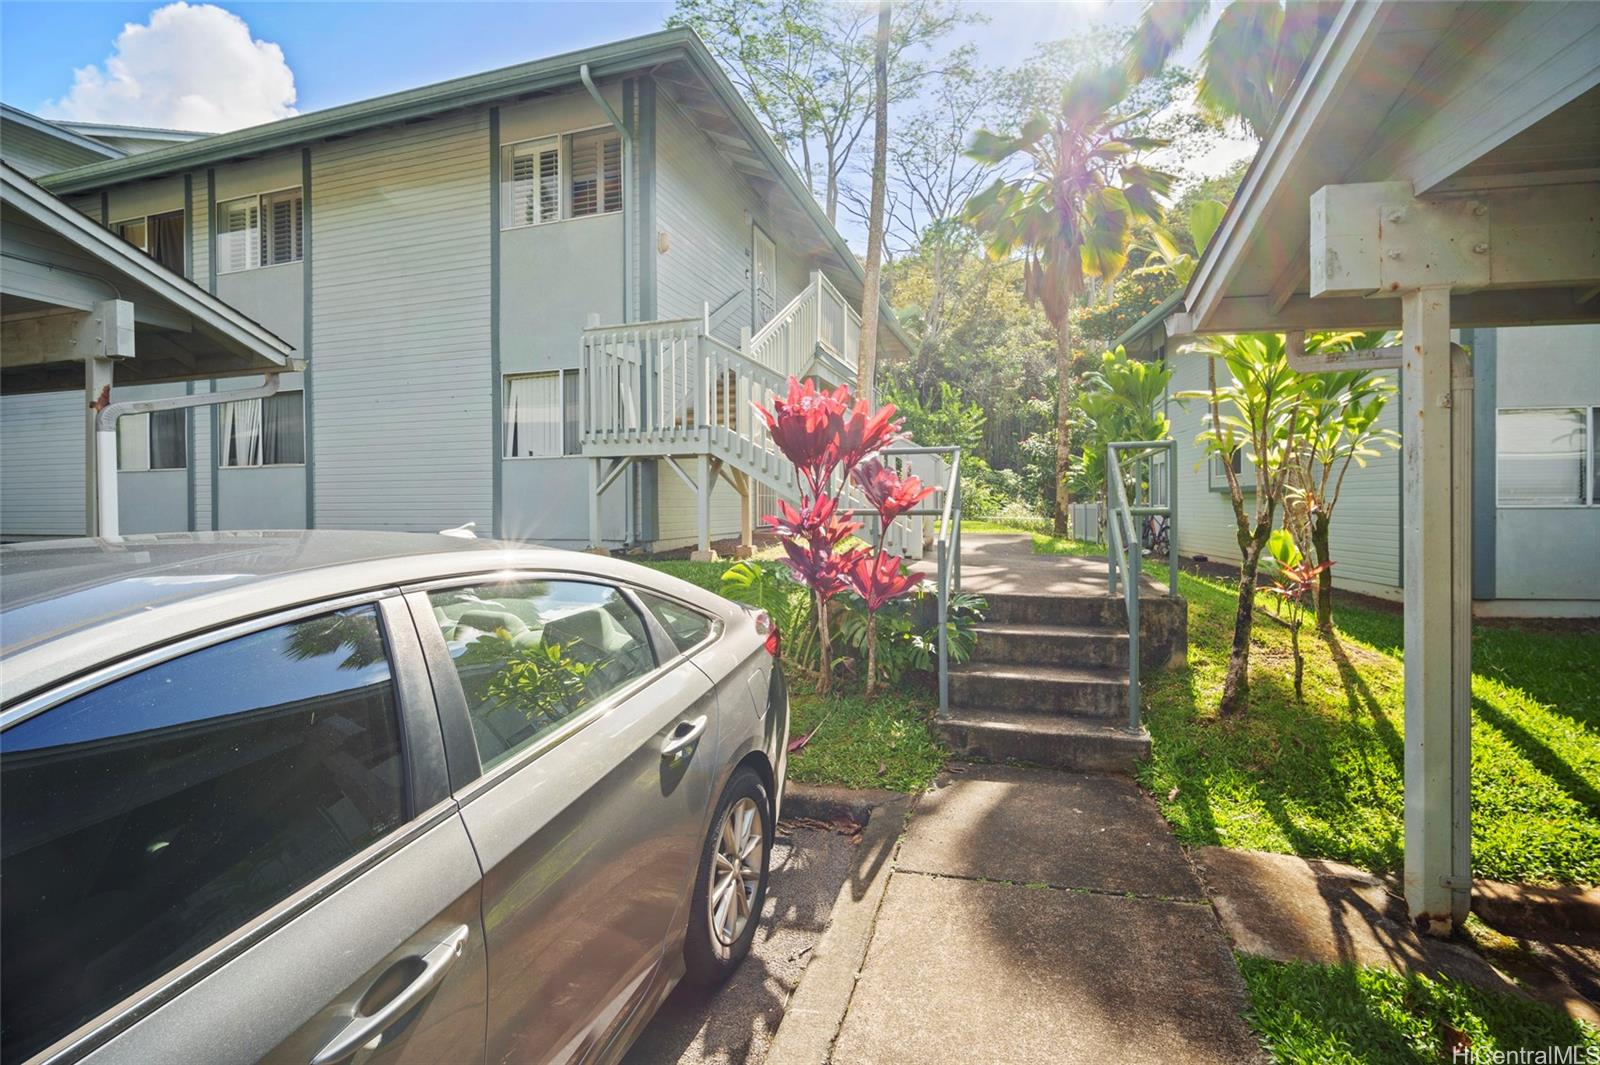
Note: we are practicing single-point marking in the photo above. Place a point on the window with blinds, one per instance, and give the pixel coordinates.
(263, 230)
(1546, 457)
(531, 182)
(539, 417)
(554, 178)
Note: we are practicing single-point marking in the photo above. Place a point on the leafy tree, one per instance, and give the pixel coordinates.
(1256, 51)
(872, 274)
(1338, 425)
(807, 68)
(1069, 212)
(950, 421)
(1257, 413)
(1122, 400)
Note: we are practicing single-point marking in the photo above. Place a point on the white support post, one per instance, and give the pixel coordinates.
(1437, 608)
(703, 486)
(596, 542)
(747, 511)
(97, 394)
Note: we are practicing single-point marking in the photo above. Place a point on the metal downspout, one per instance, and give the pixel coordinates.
(629, 224)
(107, 520)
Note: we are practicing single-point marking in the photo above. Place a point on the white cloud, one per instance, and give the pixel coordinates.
(193, 66)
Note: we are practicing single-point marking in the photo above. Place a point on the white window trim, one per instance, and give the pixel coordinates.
(561, 417)
(1217, 481)
(564, 167)
(217, 234)
(1591, 424)
(217, 443)
(144, 218)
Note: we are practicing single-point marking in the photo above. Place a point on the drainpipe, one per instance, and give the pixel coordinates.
(105, 437)
(629, 223)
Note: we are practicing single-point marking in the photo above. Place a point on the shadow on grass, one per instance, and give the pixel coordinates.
(1539, 754)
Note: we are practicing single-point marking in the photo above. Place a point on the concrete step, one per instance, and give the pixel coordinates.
(1059, 742)
(1051, 645)
(1036, 689)
(1014, 608)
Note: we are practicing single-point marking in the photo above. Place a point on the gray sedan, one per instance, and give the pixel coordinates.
(370, 797)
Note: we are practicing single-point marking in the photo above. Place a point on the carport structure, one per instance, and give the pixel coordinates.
(82, 309)
(1437, 167)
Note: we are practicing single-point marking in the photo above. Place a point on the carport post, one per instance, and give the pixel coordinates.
(99, 492)
(1438, 648)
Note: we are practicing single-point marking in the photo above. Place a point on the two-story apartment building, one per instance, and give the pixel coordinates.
(540, 299)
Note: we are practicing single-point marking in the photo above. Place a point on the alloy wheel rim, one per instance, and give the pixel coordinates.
(736, 871)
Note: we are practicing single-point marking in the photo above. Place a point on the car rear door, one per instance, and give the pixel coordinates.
(582, 759)
(241, 849)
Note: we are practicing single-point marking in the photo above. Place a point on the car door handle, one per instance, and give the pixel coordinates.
(363, 1029)
(682, 736)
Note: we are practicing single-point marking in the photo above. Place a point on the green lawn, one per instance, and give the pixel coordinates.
(1342, 1015)
(1323, 779)
(886, 743)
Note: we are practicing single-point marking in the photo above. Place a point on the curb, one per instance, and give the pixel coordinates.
(816, 1010)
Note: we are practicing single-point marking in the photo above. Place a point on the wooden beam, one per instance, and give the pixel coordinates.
(106, 332)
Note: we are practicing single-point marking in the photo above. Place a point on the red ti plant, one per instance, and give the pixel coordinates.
(1294, 584)
(828, 439)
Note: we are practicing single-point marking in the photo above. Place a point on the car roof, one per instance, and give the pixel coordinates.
(69, 606)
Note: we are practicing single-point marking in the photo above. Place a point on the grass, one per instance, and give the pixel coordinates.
(1342, 1015)
(1043, 542)
(1324, 779)
(884, 743)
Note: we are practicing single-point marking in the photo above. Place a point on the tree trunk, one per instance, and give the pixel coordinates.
(867, 357)
(1063, 418)
(1299, 663)
(825, 647)
(1236, 685)
(1319, 541)
(872, 652)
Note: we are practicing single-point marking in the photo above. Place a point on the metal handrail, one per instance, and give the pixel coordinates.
(948, 546)
(1123, 546)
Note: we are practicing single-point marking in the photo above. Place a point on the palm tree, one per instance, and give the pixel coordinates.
(1070, 212)
(1251, 61)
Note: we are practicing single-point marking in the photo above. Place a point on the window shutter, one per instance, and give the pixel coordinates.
(549, 183)
(585, 176)
(281, 236)
(532, 183)
(241, 222)
(612, 161)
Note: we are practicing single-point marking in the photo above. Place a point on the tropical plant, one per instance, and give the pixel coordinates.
(1339, 426)
(1121, 400)
(829, 441)
(1256, 51)
(1164, 256)
(949, 421)
(1293, 584)
(1254, 414)
(906, 642)
(1070, 213)
(768, 587)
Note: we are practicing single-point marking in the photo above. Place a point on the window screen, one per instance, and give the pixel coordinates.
(531, 655)
(147, 819)
(1543, 457)
(262, 432)
(155, 441)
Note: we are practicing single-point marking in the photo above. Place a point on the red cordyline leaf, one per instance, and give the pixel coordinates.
(806, 425)
(890, 494)
(879, 578)
(818, 568)
(865, 434)
(818, 522)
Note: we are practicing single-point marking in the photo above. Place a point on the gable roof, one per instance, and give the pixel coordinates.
(217, 339)
(742, 138)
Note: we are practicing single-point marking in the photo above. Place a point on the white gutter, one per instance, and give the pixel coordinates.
(105, 437)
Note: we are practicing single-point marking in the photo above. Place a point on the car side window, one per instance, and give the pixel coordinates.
(150, 817)
(533, 654)
(686, 627)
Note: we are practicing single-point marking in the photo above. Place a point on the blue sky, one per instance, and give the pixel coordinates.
(340, 52)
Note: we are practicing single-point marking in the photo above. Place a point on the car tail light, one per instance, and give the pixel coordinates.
(765, 626)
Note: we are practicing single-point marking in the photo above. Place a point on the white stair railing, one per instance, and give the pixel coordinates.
(784, 345)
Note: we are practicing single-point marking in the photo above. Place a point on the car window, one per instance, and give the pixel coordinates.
(148, 818)
(686, 626)
(532, 654)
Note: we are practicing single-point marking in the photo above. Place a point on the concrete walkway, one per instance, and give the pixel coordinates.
(1005, 563)
(1035, 916)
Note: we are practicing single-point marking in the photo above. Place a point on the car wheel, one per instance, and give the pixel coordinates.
(731, 885)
